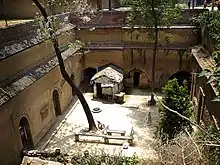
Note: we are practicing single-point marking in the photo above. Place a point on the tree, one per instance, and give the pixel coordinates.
(152, 14)
(53, 37)
(176, 97)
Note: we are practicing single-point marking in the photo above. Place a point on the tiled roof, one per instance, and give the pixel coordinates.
(23, 36)
(12, 87)
(111, 72)
(205, 61)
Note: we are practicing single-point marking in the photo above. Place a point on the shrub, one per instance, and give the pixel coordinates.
(175, 97)
(104, 158)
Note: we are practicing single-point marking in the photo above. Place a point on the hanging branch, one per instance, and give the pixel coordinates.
(178, 113)
(194, 143)
(193, 123)
(183, 157)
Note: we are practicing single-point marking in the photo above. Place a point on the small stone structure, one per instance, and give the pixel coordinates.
(108, 82)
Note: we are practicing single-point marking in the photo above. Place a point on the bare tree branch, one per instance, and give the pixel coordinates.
(193, 123)
(75, 89)
(183, 157)
(194, 143)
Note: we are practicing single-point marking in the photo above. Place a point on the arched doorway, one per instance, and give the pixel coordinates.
(56, 102)
(88, 74)
(136, 79)
(181, 76)
(135, 74)
(25, 133)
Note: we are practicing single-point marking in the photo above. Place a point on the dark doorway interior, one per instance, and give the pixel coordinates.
(25, 133)
(181, 76)
(56, 103)
(136, 79)
(99, 90)
(72, 77)
(88, 74)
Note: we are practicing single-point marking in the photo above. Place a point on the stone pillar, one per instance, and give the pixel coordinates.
(113, 92)
(95, 90)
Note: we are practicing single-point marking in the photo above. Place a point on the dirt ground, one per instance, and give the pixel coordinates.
(133, 113)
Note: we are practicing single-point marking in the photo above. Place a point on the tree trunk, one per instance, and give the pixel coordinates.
(2, 12)
(152, 100)
(92, 125)
(213, 4)
(109, 4)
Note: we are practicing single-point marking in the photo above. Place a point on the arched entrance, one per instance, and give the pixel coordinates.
(25, 133)
(135, 74)
(181, 76)
(56, 102)
(88, 74)
(136, 79)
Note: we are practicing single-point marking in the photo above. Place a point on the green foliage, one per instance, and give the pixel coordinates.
(213, 76)
(211, 152)
(151, 14)
(210, 21)
(167, 38)
(73, 6)
(78, 8)
(95, 158)
(177, 98)
(216, 56)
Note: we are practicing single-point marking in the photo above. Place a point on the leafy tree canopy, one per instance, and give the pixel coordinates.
(151, 13)
(210, 21)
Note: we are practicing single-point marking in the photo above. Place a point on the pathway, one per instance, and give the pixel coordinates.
(133, 112)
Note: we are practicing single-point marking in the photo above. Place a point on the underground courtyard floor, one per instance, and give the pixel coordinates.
(133, 113)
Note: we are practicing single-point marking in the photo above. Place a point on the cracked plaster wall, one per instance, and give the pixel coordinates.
(186, 36)
(31, 102)
(29, 57)
(140, 59)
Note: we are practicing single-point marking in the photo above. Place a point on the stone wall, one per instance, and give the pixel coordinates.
(29, 57)
(18, 9)
(30, 75)
(177, 35)
(207, 40)
(25, 9)
(31, 103)
(122, 47)
(9, 141)
(202, 91)
(117, 17)
(141, 60)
